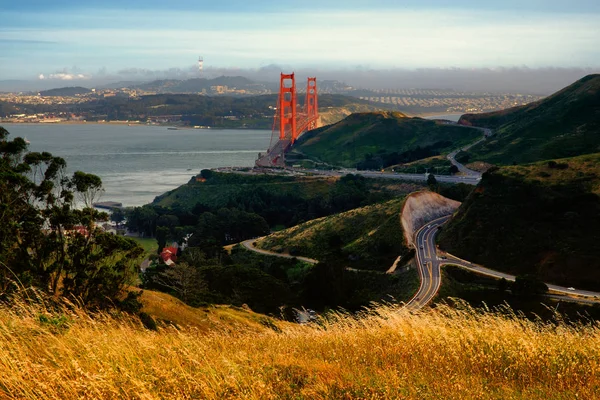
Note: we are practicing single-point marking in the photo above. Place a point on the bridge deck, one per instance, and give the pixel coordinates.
(275, 156)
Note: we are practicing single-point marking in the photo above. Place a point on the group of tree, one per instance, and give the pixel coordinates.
(267, 284)
(247, 214)
(49, 238)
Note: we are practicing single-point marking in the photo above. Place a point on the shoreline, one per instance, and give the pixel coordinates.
(124, 123)
(132, 124)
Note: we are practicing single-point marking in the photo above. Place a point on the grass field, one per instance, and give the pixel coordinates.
(150, 245)
(386, 353)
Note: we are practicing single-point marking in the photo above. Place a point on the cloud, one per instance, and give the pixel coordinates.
(66, 75)
(376, 39)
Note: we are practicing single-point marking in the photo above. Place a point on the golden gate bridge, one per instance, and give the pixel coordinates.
(290, 122)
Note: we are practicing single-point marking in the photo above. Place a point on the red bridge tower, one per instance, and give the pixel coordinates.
(290, 122)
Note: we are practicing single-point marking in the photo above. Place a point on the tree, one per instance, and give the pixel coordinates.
(142, 220)
(117, 216)
(183, 279)
(527, 286)
(431, 181)
(324, 285)
(46, 241)
(206, 174)
(162, 235)
(453, 169)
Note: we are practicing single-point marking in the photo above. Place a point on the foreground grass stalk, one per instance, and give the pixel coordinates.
(384, 353)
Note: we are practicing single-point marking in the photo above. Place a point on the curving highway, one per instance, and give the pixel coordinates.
(429, 262)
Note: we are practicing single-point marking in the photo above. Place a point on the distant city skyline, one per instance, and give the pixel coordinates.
(120, 40)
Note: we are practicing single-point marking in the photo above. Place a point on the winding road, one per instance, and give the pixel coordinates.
(249, 244)
(428, 263)
(430, 260)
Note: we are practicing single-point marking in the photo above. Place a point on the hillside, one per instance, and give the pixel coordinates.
(539, 219)
(333, 114)
(421, 208)
(168, 310)
(385, 353)
(65, 91)
(281, 200)
(379, 139)
(565, 124)
(365, 238)
(220, 189)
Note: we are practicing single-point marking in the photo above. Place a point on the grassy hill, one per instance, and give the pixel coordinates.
(385, 353)
(168, 310)
(217, 191)
(540, 219)
(333, 114)
(281, 200)
(391, 137)
(565, 124)
(365, 238)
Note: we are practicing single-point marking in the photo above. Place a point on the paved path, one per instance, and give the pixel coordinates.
(462, 168)
(249, 244)
(468, 179)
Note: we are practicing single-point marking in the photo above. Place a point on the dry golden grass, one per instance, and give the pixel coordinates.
(387, 353)
(170, 310)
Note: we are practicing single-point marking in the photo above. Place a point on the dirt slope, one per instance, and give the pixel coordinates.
(421, 208)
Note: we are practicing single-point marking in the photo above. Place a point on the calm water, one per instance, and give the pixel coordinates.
(137, 163)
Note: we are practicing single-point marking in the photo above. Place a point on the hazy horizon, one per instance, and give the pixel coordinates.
(541, 81)
(531, 46)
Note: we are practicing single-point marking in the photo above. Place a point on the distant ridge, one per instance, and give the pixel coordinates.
(65, 91)
(196, 85)
(565, 124)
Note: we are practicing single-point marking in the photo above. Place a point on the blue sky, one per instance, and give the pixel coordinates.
(82, 40)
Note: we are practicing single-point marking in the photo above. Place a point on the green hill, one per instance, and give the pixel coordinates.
(540, 219)
(281, 200)
(378, 139)
(565, 124)
(221, 188)
(365, 238)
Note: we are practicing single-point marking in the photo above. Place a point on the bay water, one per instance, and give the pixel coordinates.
(139, 162)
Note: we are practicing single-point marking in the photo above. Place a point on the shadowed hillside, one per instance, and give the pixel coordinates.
(540, 219)
(565, 124)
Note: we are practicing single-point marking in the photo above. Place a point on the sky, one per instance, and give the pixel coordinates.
(99, 41)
